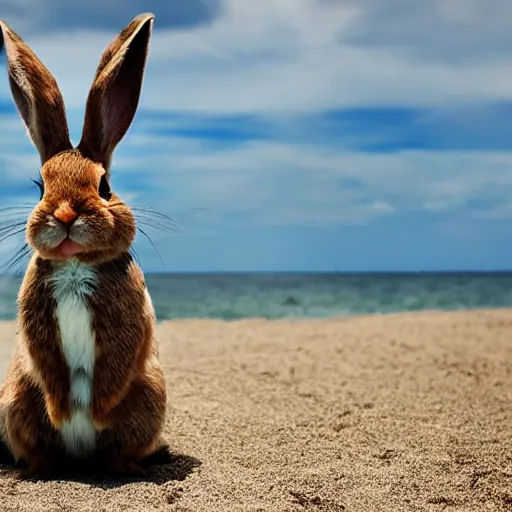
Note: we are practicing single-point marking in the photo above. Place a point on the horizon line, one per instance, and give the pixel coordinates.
(310, 272)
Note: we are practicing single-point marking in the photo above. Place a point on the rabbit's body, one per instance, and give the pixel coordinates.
(85, 379)
(75, 354)
(65, 345)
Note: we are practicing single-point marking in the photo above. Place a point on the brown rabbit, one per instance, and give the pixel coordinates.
(85, 379)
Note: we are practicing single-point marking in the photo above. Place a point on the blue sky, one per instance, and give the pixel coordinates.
(297, 134)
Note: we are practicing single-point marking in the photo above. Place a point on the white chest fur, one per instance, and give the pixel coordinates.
(73, 283)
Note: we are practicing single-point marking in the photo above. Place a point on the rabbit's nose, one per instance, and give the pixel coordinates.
(65, 213)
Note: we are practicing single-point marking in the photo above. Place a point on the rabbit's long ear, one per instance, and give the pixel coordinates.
(115, 92)
(37, 96)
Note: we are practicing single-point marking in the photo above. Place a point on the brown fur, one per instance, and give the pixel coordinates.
(37, 96)
(111, 105)
(119, 348)
(44, 361)
(128, 396)
(112, 222)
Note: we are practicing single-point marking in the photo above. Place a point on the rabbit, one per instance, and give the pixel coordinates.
(85, 380)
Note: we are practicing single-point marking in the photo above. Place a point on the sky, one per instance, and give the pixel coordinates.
(296, 135)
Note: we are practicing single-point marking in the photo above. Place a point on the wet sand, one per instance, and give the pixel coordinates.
(378, 413)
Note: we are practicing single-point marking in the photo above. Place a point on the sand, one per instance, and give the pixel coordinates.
(377, 413)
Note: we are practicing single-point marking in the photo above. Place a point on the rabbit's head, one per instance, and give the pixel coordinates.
(78, 214)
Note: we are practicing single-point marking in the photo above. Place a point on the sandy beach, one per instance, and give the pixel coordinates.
(378, 413)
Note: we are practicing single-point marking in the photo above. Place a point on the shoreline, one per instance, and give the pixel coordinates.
(416, 312)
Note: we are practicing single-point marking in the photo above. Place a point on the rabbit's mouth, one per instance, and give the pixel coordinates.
(68, 248)
(64, 249)
(91, 236)
(55, 236)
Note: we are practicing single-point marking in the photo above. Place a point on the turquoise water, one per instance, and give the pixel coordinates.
(233, 296)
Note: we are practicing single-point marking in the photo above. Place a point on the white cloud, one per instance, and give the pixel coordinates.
(271, 183)
(501, 211)
(266, 183)
(277, 56)
(439, 30)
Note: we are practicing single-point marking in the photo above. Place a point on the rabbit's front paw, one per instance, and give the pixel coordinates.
(58, 411)
(100, 417)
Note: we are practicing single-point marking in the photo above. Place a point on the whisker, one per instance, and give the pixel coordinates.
(155, 215)
(12, 225)
(17, 207)
(152, 218)
(153, 212)
(17, 258)
(151, 242)
(14, 214)
(133, 252)
(148, 217)
(155, 220)
(157, 225)
(6, 213)
(11, 230)
(23, 209)
(11, 221)
(10, 234)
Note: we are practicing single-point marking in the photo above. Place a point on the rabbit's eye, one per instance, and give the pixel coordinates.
(40, 184)
(104, 190)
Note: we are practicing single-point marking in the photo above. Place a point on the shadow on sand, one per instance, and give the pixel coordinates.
(161, 467)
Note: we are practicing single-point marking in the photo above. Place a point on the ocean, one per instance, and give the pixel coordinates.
(308, 295)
